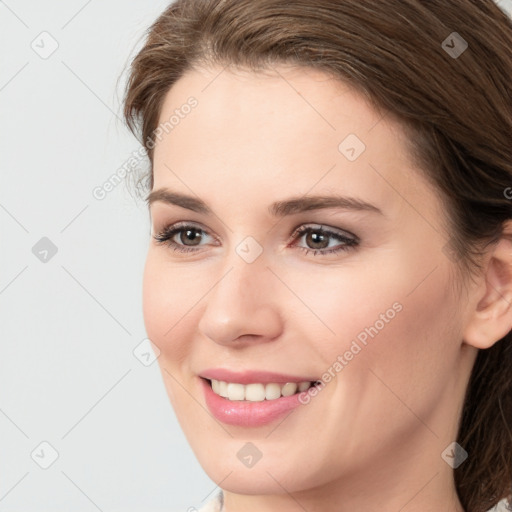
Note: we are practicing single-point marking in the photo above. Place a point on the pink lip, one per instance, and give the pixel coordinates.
(252, 377)
(244, 413)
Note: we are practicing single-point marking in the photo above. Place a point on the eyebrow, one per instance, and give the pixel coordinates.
(290, 206)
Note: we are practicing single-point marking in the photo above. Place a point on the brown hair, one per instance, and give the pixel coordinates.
(457, 111)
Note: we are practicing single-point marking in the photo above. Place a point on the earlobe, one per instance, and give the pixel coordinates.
(491, 319)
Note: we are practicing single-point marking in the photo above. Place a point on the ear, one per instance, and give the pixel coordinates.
(491, 320)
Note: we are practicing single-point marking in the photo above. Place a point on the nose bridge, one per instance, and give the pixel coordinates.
(243, 278)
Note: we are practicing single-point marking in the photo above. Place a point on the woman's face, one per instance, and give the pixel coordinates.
(367, 306)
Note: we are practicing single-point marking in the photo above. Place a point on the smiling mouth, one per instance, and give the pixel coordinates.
(258, 392)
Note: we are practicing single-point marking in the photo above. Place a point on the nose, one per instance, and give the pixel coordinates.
(243, 304)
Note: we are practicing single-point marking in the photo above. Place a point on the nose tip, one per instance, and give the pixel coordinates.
(241, 305)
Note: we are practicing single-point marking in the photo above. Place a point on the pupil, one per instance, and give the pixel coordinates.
(192, 235)
(317, 238)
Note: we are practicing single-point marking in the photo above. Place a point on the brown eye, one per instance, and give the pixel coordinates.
(182, 237)
(190, 236)
(317, 239)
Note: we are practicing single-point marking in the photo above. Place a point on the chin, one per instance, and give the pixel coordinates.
(272, 474)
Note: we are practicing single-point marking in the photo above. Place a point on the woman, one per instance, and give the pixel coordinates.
(329, 281)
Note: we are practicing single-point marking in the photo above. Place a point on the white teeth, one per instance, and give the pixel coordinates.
(272, 391)
(289, 389)
(254, 392)
(303, 386)
(236, 391)
(223, 388)
(257, 392)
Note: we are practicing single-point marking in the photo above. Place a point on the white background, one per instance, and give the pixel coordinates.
(68, 326)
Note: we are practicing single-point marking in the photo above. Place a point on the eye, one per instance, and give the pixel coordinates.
(188, 235)
(317, 240)
(185, 237)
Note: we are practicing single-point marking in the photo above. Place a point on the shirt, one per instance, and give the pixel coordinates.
(214, 505)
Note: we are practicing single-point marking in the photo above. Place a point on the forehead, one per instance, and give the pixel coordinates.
(293, 126)
(273, 99)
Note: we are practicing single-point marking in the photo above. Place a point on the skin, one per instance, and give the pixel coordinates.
(372, 439)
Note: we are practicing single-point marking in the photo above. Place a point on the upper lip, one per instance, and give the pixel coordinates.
(252, 376)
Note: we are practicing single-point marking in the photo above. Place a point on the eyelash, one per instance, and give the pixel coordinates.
(167, 234)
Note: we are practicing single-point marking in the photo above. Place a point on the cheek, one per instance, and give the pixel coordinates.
(169, 296)
(340, 305)
(409, 343)
(398, 323)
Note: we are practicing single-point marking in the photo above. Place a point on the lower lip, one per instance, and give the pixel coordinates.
(245, 413)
